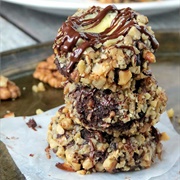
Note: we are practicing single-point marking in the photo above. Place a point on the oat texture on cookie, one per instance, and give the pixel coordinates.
(112, 99)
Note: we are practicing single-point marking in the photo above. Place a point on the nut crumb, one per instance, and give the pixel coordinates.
(149, 56)
(170, 113)
(164, 136)
(64, 166)
(9, 114)
(47, 150)
(81, 172)
(39, 111)
(124, 77)
(38, 88)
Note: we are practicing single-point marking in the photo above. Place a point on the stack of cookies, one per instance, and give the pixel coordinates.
(112, 100)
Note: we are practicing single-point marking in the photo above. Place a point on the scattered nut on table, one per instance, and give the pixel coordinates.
(8, 89)
(9, 114)
(39, 111)
(38, 88)
(47, 72)
(170, 113)
(164, 136)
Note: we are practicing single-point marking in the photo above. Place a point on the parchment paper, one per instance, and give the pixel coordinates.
(27, 147)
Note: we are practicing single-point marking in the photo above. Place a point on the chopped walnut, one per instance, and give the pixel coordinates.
(164, 136)
(82, 172)
(8, 89)
(39, 111)
(47, 150)
(149, 56)
(170, 113)
(64, 166)
(124, 77)
(46, 71)
(9, 114)
(38, 88)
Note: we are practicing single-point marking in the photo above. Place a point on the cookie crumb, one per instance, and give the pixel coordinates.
(38, 88)
(64, 166)
(47, 150)
(39, 111)
(9, 114)
(32, 124)
(170, 113)
(164, 136)
(81, 172)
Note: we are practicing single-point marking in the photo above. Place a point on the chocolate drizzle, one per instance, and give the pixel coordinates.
(66, 41)
(153, 40)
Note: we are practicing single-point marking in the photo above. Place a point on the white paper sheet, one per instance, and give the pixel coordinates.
(23, 141)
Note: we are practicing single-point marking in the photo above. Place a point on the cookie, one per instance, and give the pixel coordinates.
(126, 112)
(94, 151)
(105, 48)
(112, 100)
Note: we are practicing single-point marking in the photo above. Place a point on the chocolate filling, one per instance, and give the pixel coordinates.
(93, 105)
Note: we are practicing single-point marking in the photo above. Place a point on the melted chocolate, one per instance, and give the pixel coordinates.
(85, 134)
(156, 134)
(32, 124)
(66, 41)
(93, 105)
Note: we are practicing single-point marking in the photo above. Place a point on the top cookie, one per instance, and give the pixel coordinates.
(105, 48)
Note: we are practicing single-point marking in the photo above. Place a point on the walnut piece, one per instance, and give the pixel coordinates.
(124, 77)
(164, 136)
(47, 72)
(170, 113)
(8, 89)
(64, 166)
(149, 56)
(38, 88)
(39, 111)
(9, 114)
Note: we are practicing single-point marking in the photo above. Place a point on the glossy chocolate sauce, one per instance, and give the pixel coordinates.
(66, 41)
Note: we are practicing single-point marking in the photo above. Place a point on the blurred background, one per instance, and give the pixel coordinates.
(24, 23)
